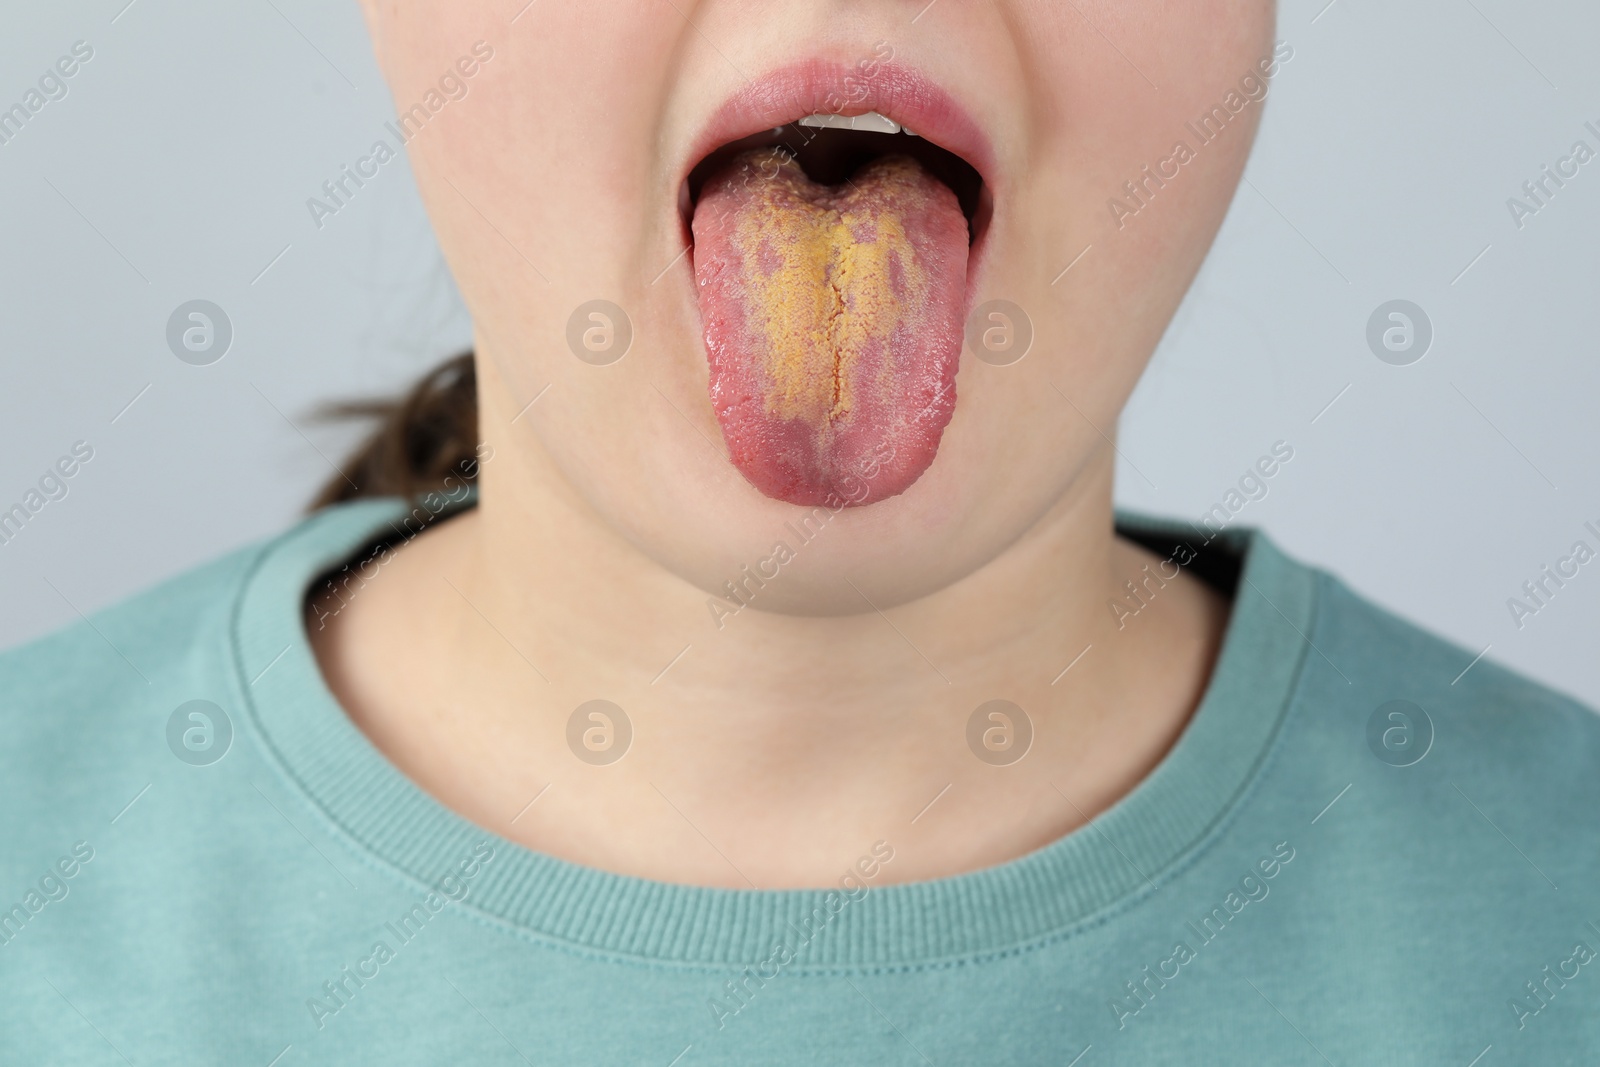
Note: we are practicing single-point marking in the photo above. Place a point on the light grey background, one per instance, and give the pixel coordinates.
(179, 164)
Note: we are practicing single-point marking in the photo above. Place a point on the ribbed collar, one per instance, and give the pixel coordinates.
(1127, 852)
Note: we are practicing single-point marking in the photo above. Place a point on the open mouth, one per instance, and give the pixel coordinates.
(832, 154)
(832, 255)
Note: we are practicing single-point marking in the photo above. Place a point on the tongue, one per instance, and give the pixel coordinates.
(833, 323)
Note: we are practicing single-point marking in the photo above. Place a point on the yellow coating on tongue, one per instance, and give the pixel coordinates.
(814, 338)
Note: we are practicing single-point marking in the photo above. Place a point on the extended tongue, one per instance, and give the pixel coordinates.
(832, 319)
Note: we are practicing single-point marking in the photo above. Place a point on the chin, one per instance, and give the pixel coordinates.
(686, 508)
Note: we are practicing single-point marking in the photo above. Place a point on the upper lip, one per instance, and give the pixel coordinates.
(820, 86)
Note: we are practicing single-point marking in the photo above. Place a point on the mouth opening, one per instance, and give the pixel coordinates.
(832, 155)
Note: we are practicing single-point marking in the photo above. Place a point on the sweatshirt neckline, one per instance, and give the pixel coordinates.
(1128, 851)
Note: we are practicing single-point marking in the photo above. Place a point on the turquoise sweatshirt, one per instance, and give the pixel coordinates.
(1365, 848)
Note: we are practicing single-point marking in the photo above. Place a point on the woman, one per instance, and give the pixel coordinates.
(739, 660)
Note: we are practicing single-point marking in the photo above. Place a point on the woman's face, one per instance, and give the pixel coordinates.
(805, 358)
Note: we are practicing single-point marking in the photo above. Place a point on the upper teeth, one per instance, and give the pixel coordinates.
(870, 122)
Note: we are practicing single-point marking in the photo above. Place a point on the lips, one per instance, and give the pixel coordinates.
(833, 273)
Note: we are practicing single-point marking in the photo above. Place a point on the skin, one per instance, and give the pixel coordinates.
(827, 716)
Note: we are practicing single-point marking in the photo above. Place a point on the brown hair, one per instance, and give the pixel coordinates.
(420, 438)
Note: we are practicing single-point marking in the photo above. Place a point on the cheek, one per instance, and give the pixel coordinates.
(1094, 123)
(1099, 124)
(554, 143)
(539, 183)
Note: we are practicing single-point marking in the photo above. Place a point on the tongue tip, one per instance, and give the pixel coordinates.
(787, 463)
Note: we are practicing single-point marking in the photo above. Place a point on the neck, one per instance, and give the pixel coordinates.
(767, 749)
